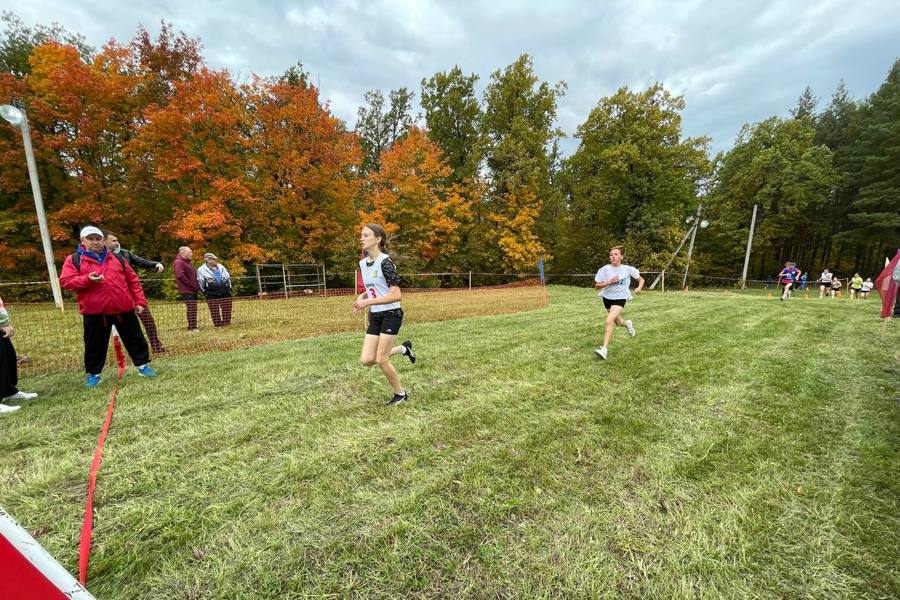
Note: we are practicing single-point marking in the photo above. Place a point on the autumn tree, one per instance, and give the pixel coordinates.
(519, 127)
(413, 197)
(453, 120)
(379, 126)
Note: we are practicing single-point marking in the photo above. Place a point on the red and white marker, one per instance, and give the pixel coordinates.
(28, 572)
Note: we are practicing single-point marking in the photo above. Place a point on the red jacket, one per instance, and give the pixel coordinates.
(185, 276)
(119, 292)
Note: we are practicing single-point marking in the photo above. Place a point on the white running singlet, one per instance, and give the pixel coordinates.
(379, 277)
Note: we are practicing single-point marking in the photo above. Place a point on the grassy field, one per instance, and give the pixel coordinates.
(52, 340)
(737, 447)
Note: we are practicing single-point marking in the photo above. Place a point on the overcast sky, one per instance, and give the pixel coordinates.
(734, 61)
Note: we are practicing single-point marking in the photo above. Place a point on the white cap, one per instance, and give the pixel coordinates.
(91, 230)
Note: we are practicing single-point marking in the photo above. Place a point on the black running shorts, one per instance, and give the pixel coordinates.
(387, 322)
(608, 303)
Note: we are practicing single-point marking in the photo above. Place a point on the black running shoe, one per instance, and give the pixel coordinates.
(408, 345)
(397, 399)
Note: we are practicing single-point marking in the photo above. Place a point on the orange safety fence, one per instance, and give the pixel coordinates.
(49, 340)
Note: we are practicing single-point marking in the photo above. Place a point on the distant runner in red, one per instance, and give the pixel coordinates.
(382, 297)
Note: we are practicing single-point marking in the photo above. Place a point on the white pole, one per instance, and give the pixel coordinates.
(41, 215)
(749, 245)
(691, 246)
(470, 281)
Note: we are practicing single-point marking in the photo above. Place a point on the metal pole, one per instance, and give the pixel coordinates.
(41, 215)
(284, 279)
(663, 281)
(258, 281)
(324, 281)
(749, 245)
(674, 254)
(690, 251)
(470, 281)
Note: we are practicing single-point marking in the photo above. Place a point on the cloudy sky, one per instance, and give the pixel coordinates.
(734, 61)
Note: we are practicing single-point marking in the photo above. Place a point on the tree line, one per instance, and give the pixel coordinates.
(144, 139)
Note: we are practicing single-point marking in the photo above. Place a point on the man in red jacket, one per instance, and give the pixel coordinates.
(108, 293)
(188, 287)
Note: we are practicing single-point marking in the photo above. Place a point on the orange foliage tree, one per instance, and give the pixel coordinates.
(411, 196)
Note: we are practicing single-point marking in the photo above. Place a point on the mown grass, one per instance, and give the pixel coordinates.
(738, 447)
(50, 340)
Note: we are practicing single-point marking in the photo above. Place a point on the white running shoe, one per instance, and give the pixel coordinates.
(630, 327)
(601, 352)
(6, 408)
(22, 396)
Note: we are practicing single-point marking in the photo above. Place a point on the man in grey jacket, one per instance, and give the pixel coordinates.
(113, 245)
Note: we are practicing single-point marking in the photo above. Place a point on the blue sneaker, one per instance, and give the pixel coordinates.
(92, 381)
(146, 371)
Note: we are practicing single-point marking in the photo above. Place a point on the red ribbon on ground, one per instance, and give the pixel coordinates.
(87, 527)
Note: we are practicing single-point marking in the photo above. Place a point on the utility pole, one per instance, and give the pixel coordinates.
(691, 245)
(18, 118)
(749, 245)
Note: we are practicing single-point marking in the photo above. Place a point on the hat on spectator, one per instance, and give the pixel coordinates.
(91, 230)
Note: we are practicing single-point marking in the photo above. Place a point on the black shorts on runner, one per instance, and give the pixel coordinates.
(386, 321)
(618, 302)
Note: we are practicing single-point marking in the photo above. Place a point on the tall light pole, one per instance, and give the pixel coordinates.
(697, 224)
(749, 245)
(18, 119)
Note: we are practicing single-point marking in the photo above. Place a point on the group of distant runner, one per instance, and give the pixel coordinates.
(829, 284)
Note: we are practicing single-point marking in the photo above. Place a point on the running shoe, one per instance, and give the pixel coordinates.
(92, 381)
(630, 327)
(409, 353)
(146, 371)
(397, 399)
(601, 352)
(22, 396)
(5, 408)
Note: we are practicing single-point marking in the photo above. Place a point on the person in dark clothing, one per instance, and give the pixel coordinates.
(215, 282)
(146, 317)
(109, 293)
(9, 374)
(186, 281)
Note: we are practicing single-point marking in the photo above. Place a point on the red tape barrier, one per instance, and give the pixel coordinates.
(87, 527)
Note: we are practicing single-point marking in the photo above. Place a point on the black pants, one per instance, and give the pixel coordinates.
(9, 375)
(96, 340)
(150, 327)
(191, 301)
(220, 310)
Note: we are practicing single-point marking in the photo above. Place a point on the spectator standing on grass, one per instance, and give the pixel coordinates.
(9, 373)
(614, 282)
(787, 278)
(186, 282)
(135, 261)
(109, 293)
(856, 286)
(382, 297)
(215, 282)
(825, 283)
(803, 281)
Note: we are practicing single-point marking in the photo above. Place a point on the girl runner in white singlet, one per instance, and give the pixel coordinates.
(614, 283)
(382, 298)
